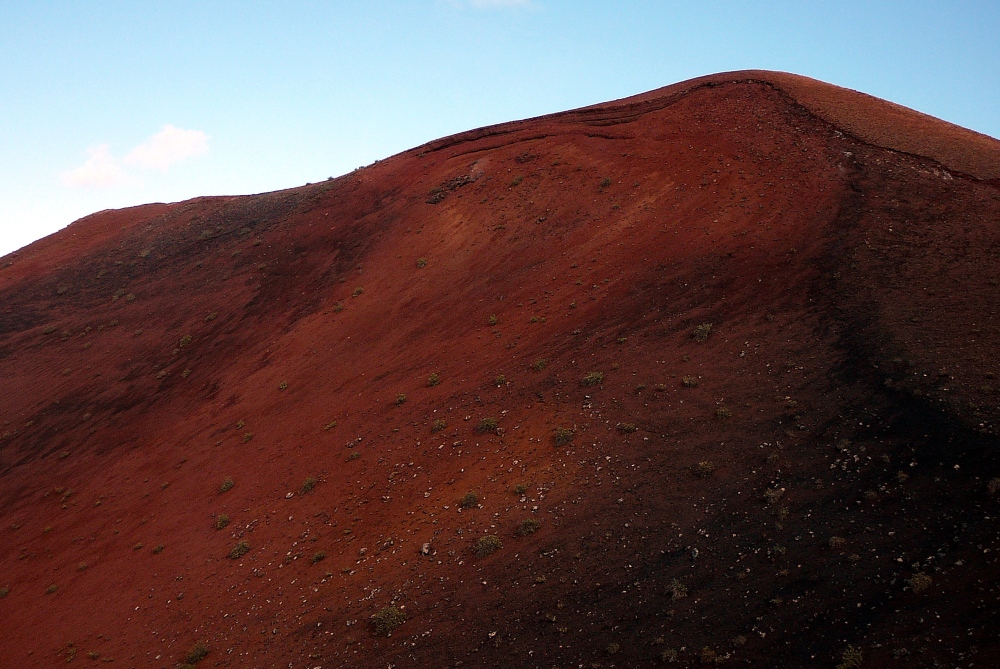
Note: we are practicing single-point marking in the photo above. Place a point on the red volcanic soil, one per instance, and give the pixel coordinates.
(521, 312)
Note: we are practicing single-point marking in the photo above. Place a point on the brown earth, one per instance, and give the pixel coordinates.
(810, 479)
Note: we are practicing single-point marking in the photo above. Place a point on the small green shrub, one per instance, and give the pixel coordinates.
(439, 425)
(433, 380)
(51, 589)
(421, 263)
(492, 320)
(308, 485)
(605, 182)
(469, 500)
(388, 619)
(850, 659)
(563, 436)
(157, 549)
(701, 332)
(772, 495)
(185, 340)
(283, 385)
(318, 556)
(704, 469)
(358, 291)
(593, 378)
(4, 592)
(487, 425)
(993, 486)
(198, 652)
(330, 425)
(528, 526)
(338, 307)
(227, 485)
(500, 381)
(239, 550)
(919, 582)
(487, 545)
(689, 381)
(400, 399)
(516, 181)
(520, 489)
(540, 364)
(677, 589)
(626, 428)
(353, 456)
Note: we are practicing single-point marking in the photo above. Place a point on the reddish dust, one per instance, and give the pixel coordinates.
(716, 364)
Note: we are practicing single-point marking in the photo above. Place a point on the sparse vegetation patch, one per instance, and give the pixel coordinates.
(528, 526)
(850, 658)
(487, 425)
(388, 619)
(919, 582)
(563, 436)
(702, 332)
(487, 545)
(704, 469)
(239, 550)
(198, 652)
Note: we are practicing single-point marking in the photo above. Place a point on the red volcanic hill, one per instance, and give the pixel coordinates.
(704, 375)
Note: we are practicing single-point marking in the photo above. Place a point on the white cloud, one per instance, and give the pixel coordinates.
(100, 171)
(103, 170)
(170, 145)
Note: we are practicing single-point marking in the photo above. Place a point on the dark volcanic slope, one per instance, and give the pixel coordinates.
(510, 312)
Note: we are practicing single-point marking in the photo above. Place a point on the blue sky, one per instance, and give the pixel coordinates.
(111, 104)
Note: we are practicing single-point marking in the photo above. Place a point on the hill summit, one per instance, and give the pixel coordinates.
(706, 375)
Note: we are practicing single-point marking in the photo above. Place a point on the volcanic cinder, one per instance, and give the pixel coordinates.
(705, 375)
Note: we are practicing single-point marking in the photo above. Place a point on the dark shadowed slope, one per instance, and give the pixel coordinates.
(253, 423)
